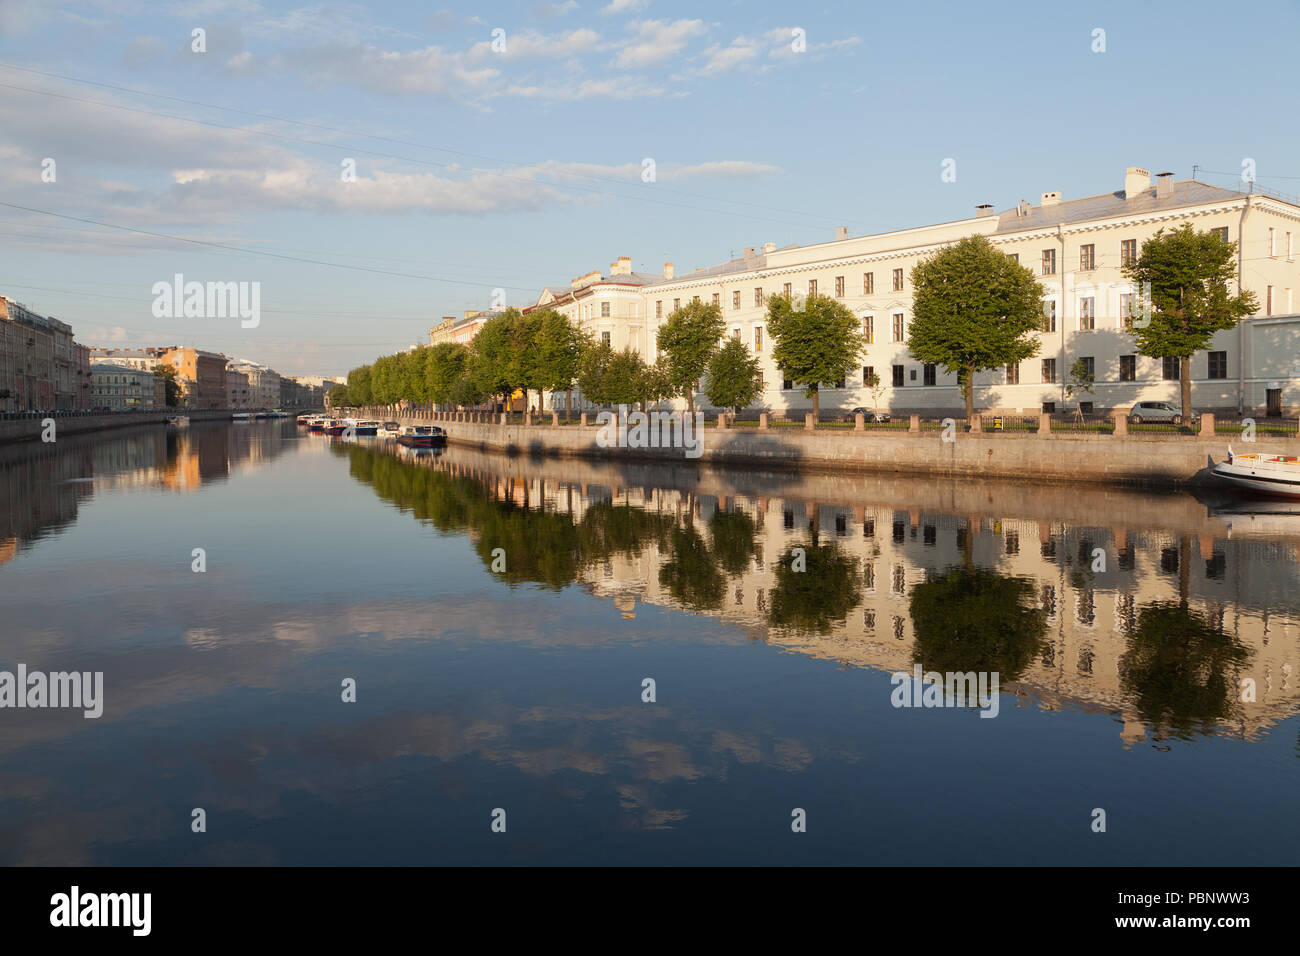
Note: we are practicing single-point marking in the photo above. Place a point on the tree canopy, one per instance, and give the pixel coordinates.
(687, 341)
(735, 378)
(816, 341)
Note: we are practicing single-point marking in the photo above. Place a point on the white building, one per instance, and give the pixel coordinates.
(1076, 247)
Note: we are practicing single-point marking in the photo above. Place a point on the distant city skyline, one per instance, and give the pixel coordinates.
(512, 147)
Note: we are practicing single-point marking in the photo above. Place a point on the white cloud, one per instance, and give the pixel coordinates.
(615, 7)
(742, 51)
(548, 10)
(656, 40)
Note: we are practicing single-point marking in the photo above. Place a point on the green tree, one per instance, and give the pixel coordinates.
(593, 369)
(687, 340)
(1188, 275)
(339, 396)
(171, 386)
(735, 378)
(559, 350)
(815, 341)
(444, 364)
(875, 386)
(359, 390)
(1080, 381)
(496, 364)
(973, 308)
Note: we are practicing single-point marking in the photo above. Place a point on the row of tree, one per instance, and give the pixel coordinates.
(974, 309)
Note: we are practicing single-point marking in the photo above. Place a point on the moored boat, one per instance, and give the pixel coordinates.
(389, 430)
(241, 417)
(305, 420)
(1262, 473)
(362, 426)
(316, 424)
(334, 426)
(421, 436)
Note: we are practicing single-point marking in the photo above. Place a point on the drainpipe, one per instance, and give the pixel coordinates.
(1062, 371)
(1241, 327)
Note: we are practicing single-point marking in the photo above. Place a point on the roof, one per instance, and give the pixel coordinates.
(1189, 192)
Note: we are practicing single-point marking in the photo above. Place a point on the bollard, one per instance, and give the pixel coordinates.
(722, 420)
(583, 420)
(914, 425)
(859, 422)
(528, 417)
(504, 417)
(762, 421)
(1207, 423)
(808, 422)
(976, 424)
(555, 418)
(1121, 422)
(1044, 424)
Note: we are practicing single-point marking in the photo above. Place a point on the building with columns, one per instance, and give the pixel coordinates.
(1075, 247)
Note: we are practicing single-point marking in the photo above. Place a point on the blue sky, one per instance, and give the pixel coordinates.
(479, 168)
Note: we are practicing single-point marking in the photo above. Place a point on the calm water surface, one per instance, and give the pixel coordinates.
(499, 616)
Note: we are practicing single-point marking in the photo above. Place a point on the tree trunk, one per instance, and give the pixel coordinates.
(817, 405)
(568, 405)
(969, 386)
(1185, 386)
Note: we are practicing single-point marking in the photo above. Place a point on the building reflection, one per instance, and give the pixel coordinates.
(1143, 607)
(42, 485)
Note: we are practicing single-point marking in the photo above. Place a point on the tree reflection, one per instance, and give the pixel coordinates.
(1180, 668)
(974, 619)
(818, 597)
(732, 534)
(691, 574)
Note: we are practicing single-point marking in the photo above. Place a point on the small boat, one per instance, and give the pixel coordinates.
(1262, 473)
(363, 426)
(389, 430)
(178, 421)
(316, 424)
(305, 420)
(334, 426)
(241, 417)
(421, 436)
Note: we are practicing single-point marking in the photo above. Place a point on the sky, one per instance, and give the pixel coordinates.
(373, 167)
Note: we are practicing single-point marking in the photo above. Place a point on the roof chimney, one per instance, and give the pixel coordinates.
(769, 247)
(841, 232)
(984, 209)
(1136, 181)
(1051, 199)
(622, 267)
(668, 270)
(749, 252)
(1022, 209)
(1164, 185)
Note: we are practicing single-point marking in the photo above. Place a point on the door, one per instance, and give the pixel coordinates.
(1274, 398)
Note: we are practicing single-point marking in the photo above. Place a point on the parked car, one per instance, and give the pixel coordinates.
(868, 415)
(1156, 413)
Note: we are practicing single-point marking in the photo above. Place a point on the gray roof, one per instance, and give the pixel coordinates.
(1189, 192)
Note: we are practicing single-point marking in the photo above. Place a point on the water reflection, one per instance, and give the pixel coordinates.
(1160, 630)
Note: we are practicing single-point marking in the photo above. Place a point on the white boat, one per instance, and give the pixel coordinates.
(241, 417)
(1262, 473)
(389, 430)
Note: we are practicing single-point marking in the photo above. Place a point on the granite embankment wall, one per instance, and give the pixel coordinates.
(30, 429)
(1163, 460)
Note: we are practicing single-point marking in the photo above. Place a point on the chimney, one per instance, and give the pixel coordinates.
(1051, 199)
(749, 252)
(623, 267)
(983, 209)
(668, 270)
(1136, 181)
(1164, 185)
(1022, 210)
(841, 232)
(769, 247)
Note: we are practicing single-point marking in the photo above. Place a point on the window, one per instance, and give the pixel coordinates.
(787, 288)
(786, 385)
(1049, 408)
(868, 283)
(604, 310)
(717, 298)
(1087, 314)
(1128, 251)
(839, 287)
(867, 372)
(758, 338)
(695, 299)
(1126, 309)
(1169, 369)
(735, 334)
(1221, 232)
(1087, 257)
(1013, 374)
(659, 309)
(812, 288)
(869, 328)
(1049, 371)
(898, 326)
(1049, 315)
(604, 337)
(898, 280)
(1014, 257)
(758, 298)
(1089, 367)
(1128, 368)
(898, 376)
(1049, 262)
(735, 299)
(677, 304)
(929, 375)
(1218, 365)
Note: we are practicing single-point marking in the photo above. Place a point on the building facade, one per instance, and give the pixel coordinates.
(263, 383)
(238, 392)
(202, 376)
(1076, 248)
(122, 388)
(38, 363)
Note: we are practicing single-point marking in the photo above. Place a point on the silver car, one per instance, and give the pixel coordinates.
(1156, 413)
